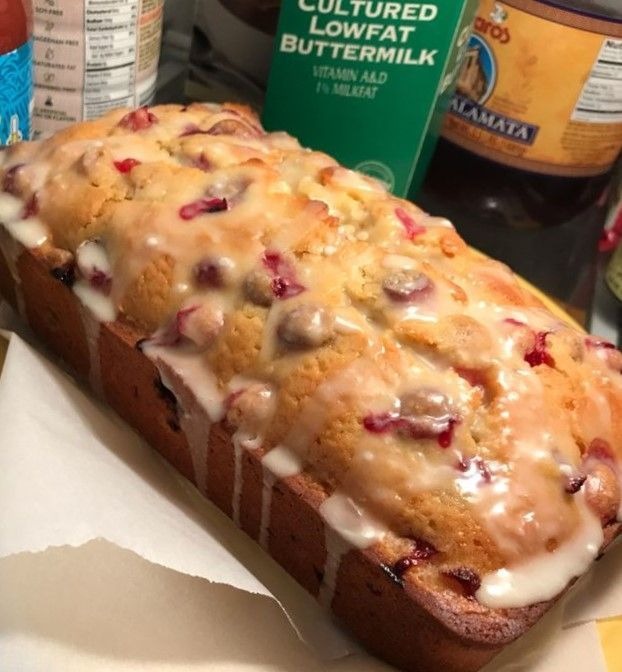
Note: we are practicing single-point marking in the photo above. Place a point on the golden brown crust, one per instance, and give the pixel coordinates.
(367, 378)
(410, 621)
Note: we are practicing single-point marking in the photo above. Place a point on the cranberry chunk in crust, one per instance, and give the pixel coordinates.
(421, 551)
(307, 326)
(423, 414)
(411, 228)
(284, 281)
(602, 492)
(258, 288)
(126, 165)
(539, 353)
(468, 580)
(406, 286)
(139, 119)
(213, 272)
(202, 206)
(94, 266)
(10, 181)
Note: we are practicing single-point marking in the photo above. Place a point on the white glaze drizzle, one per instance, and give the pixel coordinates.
(17, 234)
(544, 576)
(280, 462)
(347, 525)
(200, 401)
(100, 305)
(92, 328)
(30, 232)
(240, 442)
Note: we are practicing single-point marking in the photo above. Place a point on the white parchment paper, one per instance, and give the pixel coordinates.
(95, 524)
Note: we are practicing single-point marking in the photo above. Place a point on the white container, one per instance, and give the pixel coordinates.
(91, 56)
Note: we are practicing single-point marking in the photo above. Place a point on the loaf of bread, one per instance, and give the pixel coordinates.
(409, 432)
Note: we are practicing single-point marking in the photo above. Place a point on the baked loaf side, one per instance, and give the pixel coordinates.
(409, 432)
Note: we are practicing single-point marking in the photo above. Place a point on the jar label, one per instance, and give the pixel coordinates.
(15, 94)
(540, 89)
(92, 56)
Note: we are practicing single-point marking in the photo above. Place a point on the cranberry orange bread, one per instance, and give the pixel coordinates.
(407, 431)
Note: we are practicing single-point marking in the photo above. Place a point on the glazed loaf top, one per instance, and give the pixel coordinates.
(443, 410)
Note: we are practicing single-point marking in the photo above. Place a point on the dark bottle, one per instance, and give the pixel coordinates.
(529, 142)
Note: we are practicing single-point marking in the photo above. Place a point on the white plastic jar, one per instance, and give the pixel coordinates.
(91, 56)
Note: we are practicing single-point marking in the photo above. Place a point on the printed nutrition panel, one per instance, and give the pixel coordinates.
(92, 56)
(601, 97)
(109, 76)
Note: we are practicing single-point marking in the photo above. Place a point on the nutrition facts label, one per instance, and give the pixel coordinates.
(601, 97)
(91, 56)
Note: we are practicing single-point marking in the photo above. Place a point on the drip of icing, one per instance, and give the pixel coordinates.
(30, 232)
(336, 548)
(92, 328)
(10, 208)
(200, 400)
(347, 525)
(280, 462)
(100, 305)
(241, 441)
(351, 521)
(544, 576)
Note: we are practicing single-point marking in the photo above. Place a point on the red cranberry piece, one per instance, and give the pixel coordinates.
(284, 288)
(446, 437)
(475, 465)
(284, 282)
(234, 127)
(422, 550)
(31, 209)
(574, 483)
(233, 397)
(139, 119)
(610, 237)
(274, 262)
(94, 265)
(192, 129)
(597, 343)
(9, 183)
(539, 353)
(173, 333)
(213, 272)
(126, 165)
(600, 450)
(426, 414)
(406, 286)
(258, 288)
(380, 423)
(201, 206)
(307, 326)
(411, 227)
(468, 579)
(514, 322)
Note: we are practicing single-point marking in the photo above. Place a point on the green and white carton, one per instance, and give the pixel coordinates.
(368, 81)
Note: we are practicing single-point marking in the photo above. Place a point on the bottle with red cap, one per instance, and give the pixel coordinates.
(15, 70)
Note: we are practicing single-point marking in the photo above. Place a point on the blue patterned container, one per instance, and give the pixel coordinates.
(16, 94)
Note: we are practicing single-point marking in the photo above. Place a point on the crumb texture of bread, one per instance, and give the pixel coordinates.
(389, 413)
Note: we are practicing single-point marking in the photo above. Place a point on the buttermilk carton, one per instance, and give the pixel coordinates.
(368, 81)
